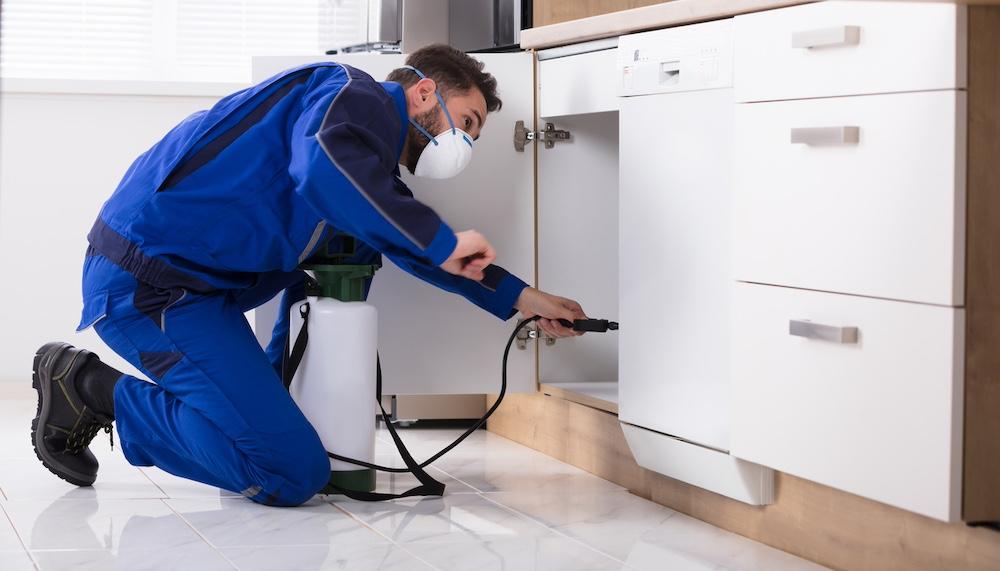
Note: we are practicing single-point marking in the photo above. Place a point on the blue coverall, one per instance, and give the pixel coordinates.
(214, 220)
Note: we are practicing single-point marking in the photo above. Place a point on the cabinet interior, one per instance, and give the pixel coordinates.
(578, 253)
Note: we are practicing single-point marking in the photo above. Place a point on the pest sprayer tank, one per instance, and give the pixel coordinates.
(335, 382)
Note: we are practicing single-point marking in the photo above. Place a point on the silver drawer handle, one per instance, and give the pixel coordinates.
(827, 37)
(810, 330)
(826, 135)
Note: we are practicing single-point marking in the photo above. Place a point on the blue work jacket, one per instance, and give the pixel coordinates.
(237, 196)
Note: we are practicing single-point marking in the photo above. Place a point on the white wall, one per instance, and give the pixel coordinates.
(61, 156)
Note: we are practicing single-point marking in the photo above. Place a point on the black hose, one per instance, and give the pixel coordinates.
(464, 435)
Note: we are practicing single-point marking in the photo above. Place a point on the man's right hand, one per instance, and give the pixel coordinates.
(471, 256)
(550, 308)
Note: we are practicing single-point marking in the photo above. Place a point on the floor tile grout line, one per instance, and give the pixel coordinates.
(359, 520)
(556, 531)
(226, 558)
(419, 558)
(474, 489)
(166, 496)
(391, 541)
(518, 514)
(17, 534)
(457, 479)
(198, 533)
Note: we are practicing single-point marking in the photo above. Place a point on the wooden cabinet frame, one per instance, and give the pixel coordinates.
(981, 501)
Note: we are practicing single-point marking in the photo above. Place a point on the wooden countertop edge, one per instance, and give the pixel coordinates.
(663, 15)
(645, 18)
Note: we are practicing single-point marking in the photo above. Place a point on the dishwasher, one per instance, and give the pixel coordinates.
(675, 193)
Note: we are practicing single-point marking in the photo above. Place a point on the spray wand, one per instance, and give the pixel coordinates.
(590, 325)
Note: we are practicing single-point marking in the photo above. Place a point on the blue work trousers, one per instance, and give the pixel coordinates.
(216, 410)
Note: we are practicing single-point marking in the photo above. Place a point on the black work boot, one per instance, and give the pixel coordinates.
(72, 384)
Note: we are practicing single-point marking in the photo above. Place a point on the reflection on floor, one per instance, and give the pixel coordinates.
(506, 507)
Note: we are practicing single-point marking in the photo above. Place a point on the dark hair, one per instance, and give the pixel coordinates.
(452, 70)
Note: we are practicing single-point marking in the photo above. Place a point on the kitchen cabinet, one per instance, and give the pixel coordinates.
(578, 214)
(831, 49)
(849, 235)
(880, 214)
(877, 413)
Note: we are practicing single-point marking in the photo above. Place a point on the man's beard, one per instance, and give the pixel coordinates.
(416, 141)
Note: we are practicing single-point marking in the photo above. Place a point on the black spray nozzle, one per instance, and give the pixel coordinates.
(590, 325)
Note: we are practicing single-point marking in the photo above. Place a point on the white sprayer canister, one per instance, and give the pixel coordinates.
(334, 385)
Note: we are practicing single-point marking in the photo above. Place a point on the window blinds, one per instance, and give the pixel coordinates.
(167, 40)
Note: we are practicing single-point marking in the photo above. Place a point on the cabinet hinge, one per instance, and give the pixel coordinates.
(529, 333)
(523, 135)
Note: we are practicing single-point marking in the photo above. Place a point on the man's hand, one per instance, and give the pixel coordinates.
(471, 256)
(550, 308)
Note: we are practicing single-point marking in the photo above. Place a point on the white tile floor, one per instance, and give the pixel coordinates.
(506, 507)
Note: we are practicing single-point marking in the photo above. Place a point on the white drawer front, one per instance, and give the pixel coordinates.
(881, 418)
(883, 216)
(857, 48)
(578, 84)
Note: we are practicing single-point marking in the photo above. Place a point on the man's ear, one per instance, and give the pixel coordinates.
(420, 96)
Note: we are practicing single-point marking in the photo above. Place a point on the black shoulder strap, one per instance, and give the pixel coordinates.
(290, 362)
(428, 485)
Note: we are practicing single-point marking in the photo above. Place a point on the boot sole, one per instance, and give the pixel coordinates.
(43, 386)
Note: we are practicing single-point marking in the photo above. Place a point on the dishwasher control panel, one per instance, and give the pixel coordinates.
(687, 58)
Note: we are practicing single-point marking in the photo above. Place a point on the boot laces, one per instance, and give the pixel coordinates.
(80, 439)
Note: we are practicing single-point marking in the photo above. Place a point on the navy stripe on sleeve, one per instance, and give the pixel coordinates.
(351, 110)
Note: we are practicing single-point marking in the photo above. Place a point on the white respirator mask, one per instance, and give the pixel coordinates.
(448, 152)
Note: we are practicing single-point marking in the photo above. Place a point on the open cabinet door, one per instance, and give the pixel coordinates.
(431, 341)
